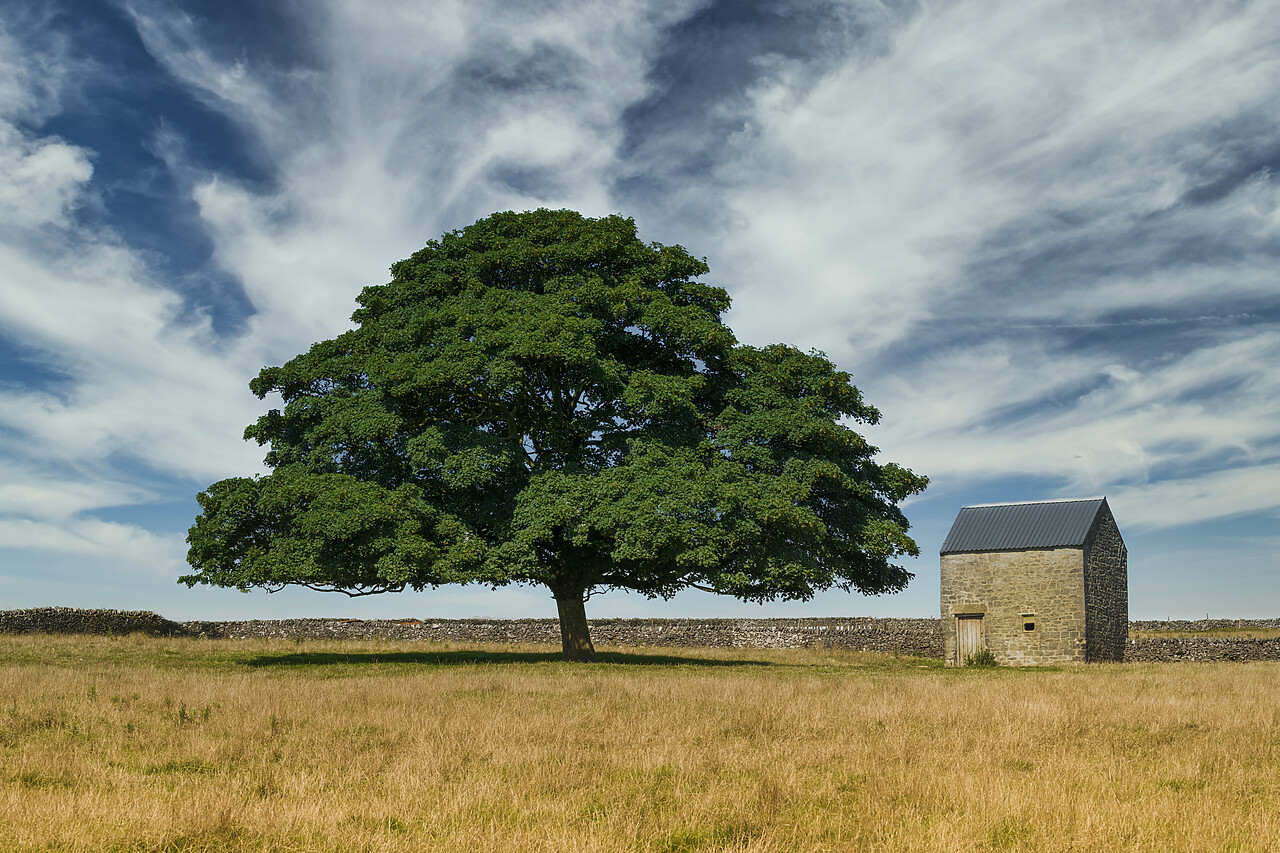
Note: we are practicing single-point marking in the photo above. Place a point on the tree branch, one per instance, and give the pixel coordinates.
(517, 438)
(360, 589)
(557, 395)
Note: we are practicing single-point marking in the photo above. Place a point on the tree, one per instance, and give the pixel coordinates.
(543, 398)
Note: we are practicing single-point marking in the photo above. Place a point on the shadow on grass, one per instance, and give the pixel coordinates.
(467, 657)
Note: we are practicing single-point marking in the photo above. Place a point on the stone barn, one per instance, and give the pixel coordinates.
(1036, 583)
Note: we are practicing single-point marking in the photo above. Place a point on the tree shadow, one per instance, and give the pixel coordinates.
(469, 657)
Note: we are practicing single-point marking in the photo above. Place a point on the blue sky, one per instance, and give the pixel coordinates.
(1042, 236)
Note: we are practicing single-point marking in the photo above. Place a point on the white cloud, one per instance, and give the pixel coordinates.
(30, 493)
(142, 384)
(866, 199)
(121, 548)
(1217, 494)
(39, 179)
(135, 382)
(224, 84)
(398, 134)
(1165, 438)
(870, 207)
(373, 153)
(874, 210)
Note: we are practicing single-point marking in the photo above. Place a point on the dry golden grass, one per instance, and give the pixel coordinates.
(135, 744)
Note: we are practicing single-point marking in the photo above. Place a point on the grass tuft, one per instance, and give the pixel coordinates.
(982, 657)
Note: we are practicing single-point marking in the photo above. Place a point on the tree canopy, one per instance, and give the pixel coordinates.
(544, 398)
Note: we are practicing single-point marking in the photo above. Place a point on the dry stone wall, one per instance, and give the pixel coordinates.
(1204, 624)
(920, 637)
(69, 620)
(917, 637)
(1202, 649)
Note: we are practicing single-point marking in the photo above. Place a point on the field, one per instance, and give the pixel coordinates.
(138, 744)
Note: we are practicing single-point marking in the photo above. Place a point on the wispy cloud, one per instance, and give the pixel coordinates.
(954, 219)
(1216, 494)
(410, 122)
(407, 123)
(133, 381)
(121, 548)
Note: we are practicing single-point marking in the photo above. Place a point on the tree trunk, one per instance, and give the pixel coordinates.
(575, 633)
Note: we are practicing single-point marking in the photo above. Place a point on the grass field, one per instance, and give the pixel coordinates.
(136, 744)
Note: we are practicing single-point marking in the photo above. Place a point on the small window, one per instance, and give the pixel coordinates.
(1028, 621)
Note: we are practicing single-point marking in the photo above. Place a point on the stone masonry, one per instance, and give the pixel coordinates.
(1106, 591)
(1047, 585)
(903, 636)
(911, 637)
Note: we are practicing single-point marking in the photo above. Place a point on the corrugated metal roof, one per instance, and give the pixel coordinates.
(1012, 527)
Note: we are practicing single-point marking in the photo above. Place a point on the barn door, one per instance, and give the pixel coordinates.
(969, 637)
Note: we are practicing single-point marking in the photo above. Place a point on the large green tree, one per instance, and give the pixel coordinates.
(544, 398)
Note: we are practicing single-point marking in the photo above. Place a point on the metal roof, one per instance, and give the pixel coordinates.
(1012, 527)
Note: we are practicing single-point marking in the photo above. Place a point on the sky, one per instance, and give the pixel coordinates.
(1042, 237)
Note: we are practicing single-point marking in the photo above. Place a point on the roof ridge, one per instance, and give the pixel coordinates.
(1047, 501)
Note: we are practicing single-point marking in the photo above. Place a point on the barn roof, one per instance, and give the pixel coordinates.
(1013, 527)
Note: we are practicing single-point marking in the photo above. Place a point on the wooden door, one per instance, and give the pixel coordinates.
(969, 637)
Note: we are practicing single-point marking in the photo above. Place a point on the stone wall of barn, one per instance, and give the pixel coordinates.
(1106, 591)
(1032, 604)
